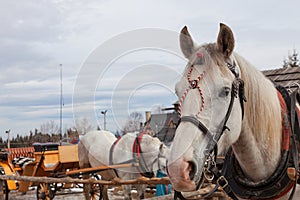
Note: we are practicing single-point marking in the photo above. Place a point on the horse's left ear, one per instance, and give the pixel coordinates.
(225, 40)
(161, 146)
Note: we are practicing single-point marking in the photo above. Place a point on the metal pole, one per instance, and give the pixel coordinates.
(105, 121)
(8, 138)
(104, 115)
(61, 101)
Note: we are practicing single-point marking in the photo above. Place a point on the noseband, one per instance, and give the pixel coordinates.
(236, 91)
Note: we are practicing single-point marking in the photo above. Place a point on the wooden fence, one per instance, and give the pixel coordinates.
(114, 182)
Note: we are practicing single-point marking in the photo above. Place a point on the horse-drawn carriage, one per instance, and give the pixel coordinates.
(53, 160)
(49, 159)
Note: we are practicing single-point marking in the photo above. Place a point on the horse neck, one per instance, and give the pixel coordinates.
(258, 148)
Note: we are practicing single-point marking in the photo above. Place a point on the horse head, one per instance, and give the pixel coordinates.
(155, 153)
(211, 99)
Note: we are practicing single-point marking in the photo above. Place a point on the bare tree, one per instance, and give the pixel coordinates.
(49, 127)
(83, 126)
(134, 122)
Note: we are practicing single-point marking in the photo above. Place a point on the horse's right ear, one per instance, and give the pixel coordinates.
(186, 43)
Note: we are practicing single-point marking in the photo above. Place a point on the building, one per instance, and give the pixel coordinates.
(163, 125)
(288, 77)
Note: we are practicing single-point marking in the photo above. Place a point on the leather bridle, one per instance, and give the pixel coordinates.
(237, 90)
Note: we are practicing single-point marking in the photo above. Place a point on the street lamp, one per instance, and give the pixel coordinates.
(8, 140)
(104, 113)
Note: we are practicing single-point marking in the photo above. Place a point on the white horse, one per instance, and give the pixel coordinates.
(212, 94)
(95, 149)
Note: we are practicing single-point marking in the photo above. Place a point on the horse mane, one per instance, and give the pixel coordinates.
(262, 109)
(262, 114)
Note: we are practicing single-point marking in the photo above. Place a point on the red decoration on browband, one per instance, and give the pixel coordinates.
(200, 55)
(193, 85)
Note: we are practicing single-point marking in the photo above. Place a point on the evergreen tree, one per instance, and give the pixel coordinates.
(292, 60)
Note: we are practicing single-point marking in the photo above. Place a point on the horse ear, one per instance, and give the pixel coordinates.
(161, 146)
(186, 42)
(225, 40)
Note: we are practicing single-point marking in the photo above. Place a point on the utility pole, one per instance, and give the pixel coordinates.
(8, 139)
(61, 103)
(104, 114)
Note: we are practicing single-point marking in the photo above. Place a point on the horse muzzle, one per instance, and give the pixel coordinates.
(184, 175)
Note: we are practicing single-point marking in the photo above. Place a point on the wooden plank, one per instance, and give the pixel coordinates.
(68, 154)
(9, 170)
(116, 181)
(28, 171)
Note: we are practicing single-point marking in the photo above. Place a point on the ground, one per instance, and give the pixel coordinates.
(76, 194)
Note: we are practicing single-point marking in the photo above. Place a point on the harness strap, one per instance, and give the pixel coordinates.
(294, 118)
(222, 182)
(198, 124)
(111, 150)
(137, 154)
(178, 195)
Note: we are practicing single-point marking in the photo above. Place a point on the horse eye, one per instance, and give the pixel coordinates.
(225, 91)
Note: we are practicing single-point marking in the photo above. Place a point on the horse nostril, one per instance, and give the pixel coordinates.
(192, 169)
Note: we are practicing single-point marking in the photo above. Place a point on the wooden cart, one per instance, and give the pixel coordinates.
(50, 159)
(55, 161)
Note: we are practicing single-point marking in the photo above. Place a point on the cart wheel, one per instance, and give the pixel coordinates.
(5, 187)
(44, 192)
(93, 191)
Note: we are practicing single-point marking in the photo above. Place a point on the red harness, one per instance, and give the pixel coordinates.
(286, 134)
(137, 154)
(136, 147)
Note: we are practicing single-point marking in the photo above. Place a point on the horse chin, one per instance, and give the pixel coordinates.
(183, 185)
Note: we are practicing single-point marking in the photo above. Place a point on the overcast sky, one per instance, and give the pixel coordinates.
(36, 36)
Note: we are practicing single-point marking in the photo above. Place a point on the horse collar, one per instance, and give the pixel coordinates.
(279, 183)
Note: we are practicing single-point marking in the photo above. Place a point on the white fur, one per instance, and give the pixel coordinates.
(256, 140)
(94, 151)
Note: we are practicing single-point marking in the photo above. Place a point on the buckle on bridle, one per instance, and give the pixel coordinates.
(222, 182)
